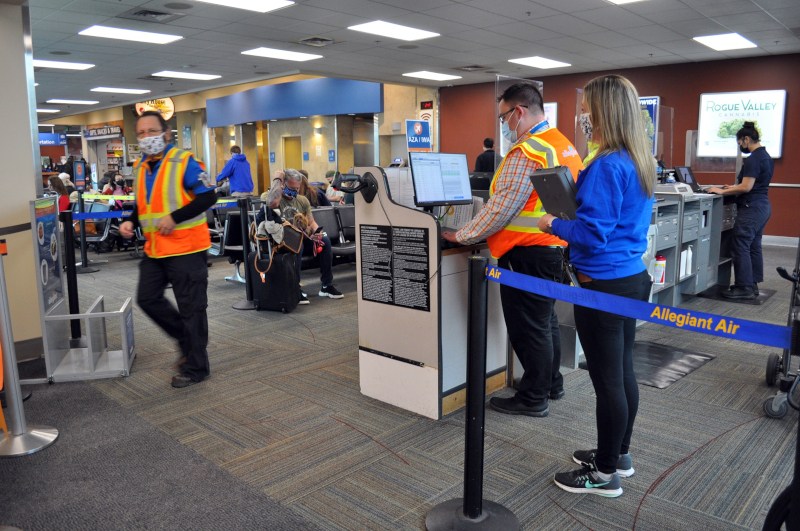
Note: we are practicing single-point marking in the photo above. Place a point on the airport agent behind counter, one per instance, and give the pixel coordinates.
(606, 242)
(753, 210)
(172, 194)
(508, 222)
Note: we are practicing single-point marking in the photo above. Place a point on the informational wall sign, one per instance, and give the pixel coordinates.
(649, 106)
(103, 133)
(724, 113)
(47, 251)
(272, 156)
(305, 155)
(163, 105)
(551, 113)
(418, 135)
(79, 172)
(331, 155)
(52, 139)
(394, 266)
(187, 137)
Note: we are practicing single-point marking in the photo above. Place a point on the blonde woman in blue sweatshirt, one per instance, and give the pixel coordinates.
(607, 241)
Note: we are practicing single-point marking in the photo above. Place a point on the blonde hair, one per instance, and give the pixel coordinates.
(616, 115)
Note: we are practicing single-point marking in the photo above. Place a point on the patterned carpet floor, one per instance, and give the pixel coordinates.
(282, 412)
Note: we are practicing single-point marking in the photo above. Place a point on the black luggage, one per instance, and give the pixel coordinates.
(276, 286)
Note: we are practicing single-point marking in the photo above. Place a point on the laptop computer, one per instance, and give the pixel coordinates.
(684, 174)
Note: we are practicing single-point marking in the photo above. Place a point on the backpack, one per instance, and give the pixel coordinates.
(107, 245)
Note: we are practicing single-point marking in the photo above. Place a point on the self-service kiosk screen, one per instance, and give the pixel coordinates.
(440, 179)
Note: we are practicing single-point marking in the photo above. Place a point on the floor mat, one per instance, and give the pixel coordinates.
(713, 293)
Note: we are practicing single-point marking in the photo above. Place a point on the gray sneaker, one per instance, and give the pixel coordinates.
(624, 463)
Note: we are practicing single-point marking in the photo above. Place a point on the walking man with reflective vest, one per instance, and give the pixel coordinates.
(508, 222)
(172, 194)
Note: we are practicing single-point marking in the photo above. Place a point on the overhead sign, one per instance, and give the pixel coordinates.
(649, 106)
(723, 114)
(52, 139)
(163, 105)
(103, 133)
(418, 135)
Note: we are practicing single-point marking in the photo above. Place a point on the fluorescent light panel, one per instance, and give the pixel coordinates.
(36, 84)
(46, 111)
(726, 41)
(186, 75)
(424, 74)
(120, 90)
(129, 35)
(70, 134)
(261, 6)
(42, 63)
(539, 62)
(394, 31)
(46, 125)
(74, 102)
(620, 2)
(274, 53)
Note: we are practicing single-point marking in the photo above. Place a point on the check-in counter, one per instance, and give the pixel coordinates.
(412, 308)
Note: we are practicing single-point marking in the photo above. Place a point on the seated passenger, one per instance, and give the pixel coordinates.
(334, 195)
(315, 196)
(286, 197)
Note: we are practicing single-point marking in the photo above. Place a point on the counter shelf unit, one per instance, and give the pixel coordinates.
(665, 221)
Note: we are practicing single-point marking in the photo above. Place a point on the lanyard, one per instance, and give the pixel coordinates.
(541, 125)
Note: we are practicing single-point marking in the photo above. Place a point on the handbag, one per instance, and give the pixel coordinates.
(292, 241)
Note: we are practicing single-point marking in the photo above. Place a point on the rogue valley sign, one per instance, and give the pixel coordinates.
(163, 105)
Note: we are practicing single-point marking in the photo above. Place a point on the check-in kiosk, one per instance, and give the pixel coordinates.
(412, 302)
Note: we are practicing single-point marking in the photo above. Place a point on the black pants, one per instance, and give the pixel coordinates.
(607, 341)
(325, 261)
(748, 264)
(532, 322)
(188, 275)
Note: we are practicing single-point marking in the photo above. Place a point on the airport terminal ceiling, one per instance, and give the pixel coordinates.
(476, 40)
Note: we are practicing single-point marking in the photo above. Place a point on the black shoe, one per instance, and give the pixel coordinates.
(554, 395)
(624, 463)
(755, 289)
(587, 481)
(515, 406)
(179, 381)
(303, 298)
(330, 291)
(739, 292)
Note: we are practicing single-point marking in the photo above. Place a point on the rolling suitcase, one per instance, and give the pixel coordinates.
(275, 285)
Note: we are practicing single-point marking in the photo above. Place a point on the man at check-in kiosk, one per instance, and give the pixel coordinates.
(508, 222)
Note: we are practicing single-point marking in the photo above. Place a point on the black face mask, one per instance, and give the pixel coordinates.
(744, 149)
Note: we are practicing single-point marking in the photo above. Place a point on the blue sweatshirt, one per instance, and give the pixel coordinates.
(609, 237)
(237, 171)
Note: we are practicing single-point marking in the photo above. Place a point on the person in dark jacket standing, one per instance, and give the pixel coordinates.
(237, 171)
(753, 210)
(488, 160)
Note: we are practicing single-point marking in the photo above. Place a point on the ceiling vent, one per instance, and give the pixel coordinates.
(471, 68)
(150, 15)
(156, 78)
(317, 42)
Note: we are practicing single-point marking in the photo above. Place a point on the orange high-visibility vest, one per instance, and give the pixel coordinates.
(167, 196)
(549, 148)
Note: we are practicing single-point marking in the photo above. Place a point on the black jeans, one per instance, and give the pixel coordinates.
(748, 264)
(325, 261)
(188, 275)
(607, 341)
(532, 322)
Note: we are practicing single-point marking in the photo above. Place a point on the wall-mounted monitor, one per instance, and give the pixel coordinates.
(723, 114)
(440, 179)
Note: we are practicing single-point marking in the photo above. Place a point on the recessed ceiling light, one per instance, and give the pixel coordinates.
(129, 35)
(539, 62)
(36, 84)
(120, 90)
(303, 117)
(262, 6)
(69, 134)
(273, 120)
(395, 31)
(274, 53)
(43, 63)
(726, 41)
(46, 125)
(186, 75)
(249, 123)
(424, 74)
(45, 111)
(620, 2)
(74, 102)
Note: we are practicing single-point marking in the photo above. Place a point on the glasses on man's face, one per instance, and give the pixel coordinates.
(149, 133)
(503, 115)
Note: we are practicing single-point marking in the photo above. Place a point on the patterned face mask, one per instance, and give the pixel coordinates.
(586, 125)
(152, 145)
(288, 192)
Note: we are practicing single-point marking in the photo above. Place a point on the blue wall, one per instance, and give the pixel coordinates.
(310, 97)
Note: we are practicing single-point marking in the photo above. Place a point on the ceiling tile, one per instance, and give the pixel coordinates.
(524, 31)
(96, 8)
(567, 25)
(303, 12)
(683, 47)
(613, 17)
(490, 38)
(676, 15)
(696, 28)
(783, 48)
(417, 5)
(517, 9)
(710, 55)
(572, 6)
(610, 39)
(730, 8)
(654, 6)
(652, 34)
(467, 15)
(643, 51)
(362, 8)
(41, 12)
(195, 22)
(569, 44)
(429, 23)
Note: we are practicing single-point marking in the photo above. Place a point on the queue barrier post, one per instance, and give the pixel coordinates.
(84, 267)
(72, 279)
(472, 512)
(22, 438)
(244, 217)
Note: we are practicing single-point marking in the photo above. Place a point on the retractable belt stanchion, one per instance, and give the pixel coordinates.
(84, 268)
(244, 216)
(72, 278)
(22, 438)
(473, 512)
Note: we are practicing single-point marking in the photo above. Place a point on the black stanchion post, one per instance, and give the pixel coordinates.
(244, 216)
(84, 268)
(72, 275)
(473, 512)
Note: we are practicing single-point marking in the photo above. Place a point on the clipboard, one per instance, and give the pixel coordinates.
(557, 190)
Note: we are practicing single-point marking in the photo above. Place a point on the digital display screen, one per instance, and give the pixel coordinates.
(440, 179)
(425, 105)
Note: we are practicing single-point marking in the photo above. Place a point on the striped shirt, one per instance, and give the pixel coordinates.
(512, 190)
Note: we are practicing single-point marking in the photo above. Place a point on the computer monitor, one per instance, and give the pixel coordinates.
(440, 179)
(684, 174)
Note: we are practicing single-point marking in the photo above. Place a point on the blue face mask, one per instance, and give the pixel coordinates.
(288, 192)
(506, 131)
